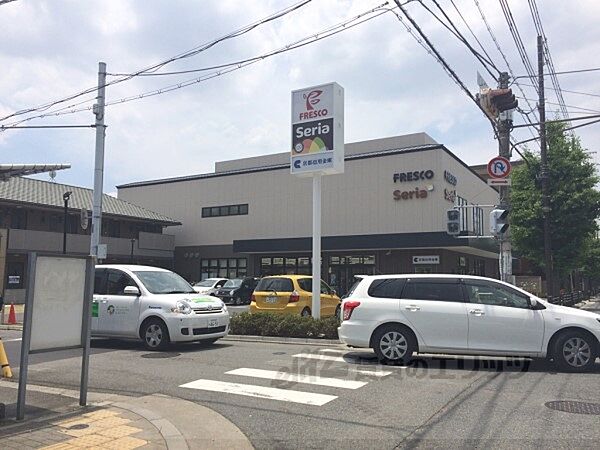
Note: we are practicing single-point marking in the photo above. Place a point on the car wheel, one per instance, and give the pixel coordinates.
(306, 312)
(155, 334)
(574, 352)
(338, 311)
(393, 345)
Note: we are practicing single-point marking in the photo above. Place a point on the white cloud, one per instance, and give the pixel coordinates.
(51, 49)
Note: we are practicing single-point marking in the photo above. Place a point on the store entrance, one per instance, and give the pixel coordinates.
(342, 271)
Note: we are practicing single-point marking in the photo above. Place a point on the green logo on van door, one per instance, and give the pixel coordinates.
(94, 309)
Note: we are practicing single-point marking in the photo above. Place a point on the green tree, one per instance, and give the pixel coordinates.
(591, 259)
(574, 202)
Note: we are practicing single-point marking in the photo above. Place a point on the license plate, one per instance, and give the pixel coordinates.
(213, 323)
(271, 300)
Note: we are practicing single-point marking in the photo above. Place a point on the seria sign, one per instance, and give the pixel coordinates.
(317, 130)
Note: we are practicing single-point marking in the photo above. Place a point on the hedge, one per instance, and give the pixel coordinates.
(269, 324)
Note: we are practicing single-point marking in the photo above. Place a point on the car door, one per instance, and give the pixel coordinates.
(384, 302)
(501, 319)
(119, 313)
(328, 301)
(99, 295)
(436, 309)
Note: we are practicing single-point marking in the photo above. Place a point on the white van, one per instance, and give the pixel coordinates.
(155, 305)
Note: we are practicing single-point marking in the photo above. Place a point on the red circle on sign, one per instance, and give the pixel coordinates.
(499, 167)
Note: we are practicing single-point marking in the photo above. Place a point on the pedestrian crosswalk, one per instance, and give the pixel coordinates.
(355, 376)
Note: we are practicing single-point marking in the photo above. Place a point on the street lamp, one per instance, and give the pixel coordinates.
(66, 197)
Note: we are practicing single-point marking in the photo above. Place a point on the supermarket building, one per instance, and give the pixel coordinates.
(385, 214)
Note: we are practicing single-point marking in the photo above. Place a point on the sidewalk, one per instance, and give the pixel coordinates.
(54, 420)
(593, 305)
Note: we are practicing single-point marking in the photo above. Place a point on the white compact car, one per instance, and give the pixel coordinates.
(210, 286)
(398, 315)
(155, 305)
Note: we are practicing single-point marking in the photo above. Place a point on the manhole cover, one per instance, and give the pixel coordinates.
(279, 353)
(78, 426)
(575, 407)
(160, 355)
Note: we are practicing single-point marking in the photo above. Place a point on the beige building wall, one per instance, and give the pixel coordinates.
(360, 201)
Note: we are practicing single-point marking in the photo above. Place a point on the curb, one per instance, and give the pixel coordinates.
(11, 327)
(282, 340)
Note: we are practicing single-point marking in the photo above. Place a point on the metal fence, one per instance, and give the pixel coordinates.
(570, 298)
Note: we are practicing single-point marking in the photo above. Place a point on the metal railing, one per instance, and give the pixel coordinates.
(570, 298)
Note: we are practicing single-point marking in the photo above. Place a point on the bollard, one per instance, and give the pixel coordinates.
(6, 372)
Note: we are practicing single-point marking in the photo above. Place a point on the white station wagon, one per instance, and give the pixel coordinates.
(155, 305)
(398, 315)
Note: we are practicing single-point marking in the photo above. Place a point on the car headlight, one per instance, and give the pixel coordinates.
(232, 292)
(182, 307)
(223, 306)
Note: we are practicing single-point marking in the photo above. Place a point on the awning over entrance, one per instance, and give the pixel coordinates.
(483, 247)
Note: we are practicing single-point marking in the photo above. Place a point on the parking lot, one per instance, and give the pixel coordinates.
(308, 396)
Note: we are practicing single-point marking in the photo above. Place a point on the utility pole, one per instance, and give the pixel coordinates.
(546, 209)
(504, 126)
(99, 163)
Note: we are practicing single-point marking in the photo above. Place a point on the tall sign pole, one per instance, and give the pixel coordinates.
(317, 150)
(544, 171)
(98, 163)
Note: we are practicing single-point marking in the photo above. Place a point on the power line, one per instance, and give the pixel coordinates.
(485, 62)
(593, 116)
(547, 56)
(567, 106)
(566, 90)
(187, 54)
(323, 34)
(471, 31)
(514, 31)
(595, 69)
(426, 43)
(566, 129)
(510, 71)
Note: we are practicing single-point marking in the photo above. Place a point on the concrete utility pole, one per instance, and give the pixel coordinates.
(504, 125)
(546, 209)
(99, 163)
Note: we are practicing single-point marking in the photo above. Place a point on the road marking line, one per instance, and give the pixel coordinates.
(321, 357)
(297, 378)
(373, 373)
(333, 350)
(249, 390)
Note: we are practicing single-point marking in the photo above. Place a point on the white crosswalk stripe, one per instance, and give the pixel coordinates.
(297, 378)
(249, 390)
(321, 357)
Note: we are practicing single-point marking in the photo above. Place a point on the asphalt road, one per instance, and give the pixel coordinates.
(436, 402)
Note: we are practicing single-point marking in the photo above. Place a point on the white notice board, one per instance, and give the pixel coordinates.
(58, 300)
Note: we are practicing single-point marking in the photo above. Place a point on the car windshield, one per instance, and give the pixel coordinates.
(206, 283)
(233, 283)
(164, 282)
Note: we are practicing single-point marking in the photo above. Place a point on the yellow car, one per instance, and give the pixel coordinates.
(292, 294)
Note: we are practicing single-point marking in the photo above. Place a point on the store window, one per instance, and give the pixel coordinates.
(227, 210)
(279, 265)
(223, 268)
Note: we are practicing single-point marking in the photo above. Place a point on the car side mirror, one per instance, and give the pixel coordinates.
(131, 290)
(535, 305)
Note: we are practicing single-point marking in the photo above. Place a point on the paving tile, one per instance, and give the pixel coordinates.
(72, 421)
(124, 443)
(110, 422)
(101, 414)
(119, 432)
(60, 446)
(89, 441)
(83, 432)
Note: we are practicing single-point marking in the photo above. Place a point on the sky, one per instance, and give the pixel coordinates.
(50, 49)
